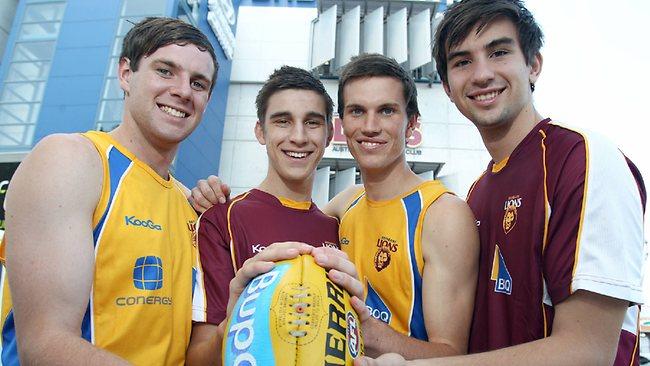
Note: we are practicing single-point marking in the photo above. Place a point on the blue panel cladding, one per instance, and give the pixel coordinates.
(79, 63)
(198, 156)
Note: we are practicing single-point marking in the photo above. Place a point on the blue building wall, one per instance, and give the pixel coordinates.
(76, 79)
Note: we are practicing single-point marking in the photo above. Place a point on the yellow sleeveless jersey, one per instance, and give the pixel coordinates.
(140, 307)
(383, 239)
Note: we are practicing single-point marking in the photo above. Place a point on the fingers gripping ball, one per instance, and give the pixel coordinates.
(293, 315)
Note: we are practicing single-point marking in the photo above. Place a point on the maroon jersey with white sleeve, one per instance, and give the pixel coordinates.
(231, 233)
(563, 213)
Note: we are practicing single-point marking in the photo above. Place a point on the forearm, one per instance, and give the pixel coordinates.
(60, 348)
(205, 351)
(379, 338)
(548, 351)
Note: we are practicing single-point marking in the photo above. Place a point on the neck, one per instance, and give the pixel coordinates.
(158, 158)
(294, 190)
(385, 184)
(502, 140)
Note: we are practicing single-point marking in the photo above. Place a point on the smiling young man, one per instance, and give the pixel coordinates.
(560, 212)
(100, 259)
(414, 245)
(295, 125)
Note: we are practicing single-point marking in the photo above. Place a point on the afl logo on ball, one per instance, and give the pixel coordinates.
(353, 336)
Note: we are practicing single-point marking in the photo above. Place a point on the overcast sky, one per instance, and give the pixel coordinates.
(596, 73)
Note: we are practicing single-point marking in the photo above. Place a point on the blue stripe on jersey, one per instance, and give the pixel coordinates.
(9, 348)
(355, 202)
(118, 163)
(85, 326)
(413, 206)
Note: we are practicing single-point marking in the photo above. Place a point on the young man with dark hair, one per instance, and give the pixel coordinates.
(295, 125)
(414, 244)
(560, 212)
(100, 260)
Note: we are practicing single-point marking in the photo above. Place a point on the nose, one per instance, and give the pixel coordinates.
(298, 134)
(482, 74)
(181, 88)
(370, 125)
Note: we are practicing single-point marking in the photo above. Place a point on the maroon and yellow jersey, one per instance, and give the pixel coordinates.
(563, 213)
(231, 233)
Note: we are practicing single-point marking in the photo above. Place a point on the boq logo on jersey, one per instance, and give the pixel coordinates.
(510, 215)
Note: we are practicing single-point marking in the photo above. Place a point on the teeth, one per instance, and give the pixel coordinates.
(487, 96)
(173, 112)
(370, 144)
(298, 155)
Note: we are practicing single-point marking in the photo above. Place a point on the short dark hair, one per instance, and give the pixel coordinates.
(289, 77)
(372, 64)
(152, 33)
(463, 16)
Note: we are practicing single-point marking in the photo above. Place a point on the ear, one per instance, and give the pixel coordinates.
(330, 133)
(411, 125)
(535, 68)
(124, 73)
(447, 91)
(259, 133)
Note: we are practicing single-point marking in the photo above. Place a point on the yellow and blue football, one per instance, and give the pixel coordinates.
(293, 315)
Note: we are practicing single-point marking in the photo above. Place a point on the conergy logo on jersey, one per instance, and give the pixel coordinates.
(149, 224)
(251, 320)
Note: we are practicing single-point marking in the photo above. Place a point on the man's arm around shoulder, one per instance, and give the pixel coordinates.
(50, 255)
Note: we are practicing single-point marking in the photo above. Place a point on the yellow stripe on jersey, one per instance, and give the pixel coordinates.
(384, 242)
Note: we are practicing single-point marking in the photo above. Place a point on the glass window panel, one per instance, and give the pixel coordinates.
(143, 7)
(112, 67)
(117, 46)
(110, 110)
(39, 31)
(33, 51)
(16, 135)
(112, 89)
(127, 23)
(23, 92)
(107, 126)
(44, 12)
(26, 71)
(14, 114)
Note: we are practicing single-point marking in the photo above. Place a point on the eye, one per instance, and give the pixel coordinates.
(499, 53)
(313, 123)
(164, 72)
(356, 112)
(387, 111)
(461, 63)
(282, 122)
(197, 85)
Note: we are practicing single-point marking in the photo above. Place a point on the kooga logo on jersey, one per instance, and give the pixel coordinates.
(132, 220)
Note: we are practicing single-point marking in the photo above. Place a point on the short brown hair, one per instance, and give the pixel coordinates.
(463, 16)
(152, 33)
(373, 64)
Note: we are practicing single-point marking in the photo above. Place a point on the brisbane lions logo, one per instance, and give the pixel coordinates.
(385, 246)
(510, 215)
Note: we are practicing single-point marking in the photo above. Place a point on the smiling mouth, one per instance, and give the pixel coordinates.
(172, 111)
(487, 96)
(370, 144)
(296, 154)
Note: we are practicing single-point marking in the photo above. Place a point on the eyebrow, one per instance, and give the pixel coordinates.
(310, 114)
(494, 43)
(173, 65)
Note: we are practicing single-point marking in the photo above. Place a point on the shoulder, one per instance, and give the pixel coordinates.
(61, 167)
(219, 213)
(448, 207)
(338, 205)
